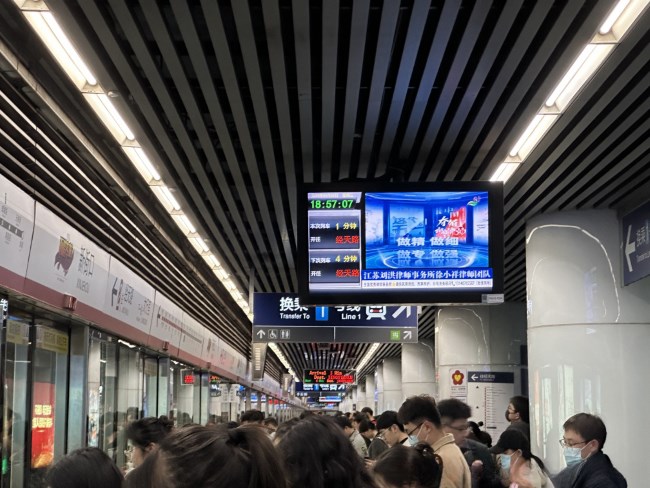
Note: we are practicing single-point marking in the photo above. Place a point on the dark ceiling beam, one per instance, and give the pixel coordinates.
(273, 26)
(302, 45)
(476, 143)
(358, 33)
(330, 45)
(412, 46)
(436, 125)
(273, 213)
(387, 30)
(452, 147)
(197, 56)
(426, 88)
(255, 199)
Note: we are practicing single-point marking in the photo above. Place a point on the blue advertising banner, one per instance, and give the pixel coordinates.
(636, 244)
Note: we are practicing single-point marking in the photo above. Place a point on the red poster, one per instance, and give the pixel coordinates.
(42, 425)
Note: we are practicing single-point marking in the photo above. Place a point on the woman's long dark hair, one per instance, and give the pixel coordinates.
(416, 466)
(317, 454)
(88, 467)
(198, 456)
(149, 430)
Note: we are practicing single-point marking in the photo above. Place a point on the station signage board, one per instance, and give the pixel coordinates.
(329, 377)
(636, 244)
(280, 317)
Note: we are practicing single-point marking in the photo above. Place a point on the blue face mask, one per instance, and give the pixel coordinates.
(413, 439)
(572, 455)
(504, 461)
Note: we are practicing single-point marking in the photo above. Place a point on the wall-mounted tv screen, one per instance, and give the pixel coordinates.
(400, 243)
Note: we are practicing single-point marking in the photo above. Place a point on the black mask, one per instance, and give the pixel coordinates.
(507, 415)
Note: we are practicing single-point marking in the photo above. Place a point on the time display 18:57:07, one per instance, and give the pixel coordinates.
(331, 204)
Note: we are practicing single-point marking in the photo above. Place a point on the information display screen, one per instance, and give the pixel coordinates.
(363, 243)
(329, 376)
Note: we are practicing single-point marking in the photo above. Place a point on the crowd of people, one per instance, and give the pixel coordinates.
(426, 444)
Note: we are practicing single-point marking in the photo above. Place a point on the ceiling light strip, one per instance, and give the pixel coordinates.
(616, 24)
(62, 49)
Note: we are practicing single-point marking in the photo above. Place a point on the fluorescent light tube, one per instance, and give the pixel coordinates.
(106, 111)
(504, 172)
(61, 48)
(212, 260)
(582, 69)
(166, 198)
(199, 244)
(532, 135)
(613, 16)
(184, 224)
(142, 163)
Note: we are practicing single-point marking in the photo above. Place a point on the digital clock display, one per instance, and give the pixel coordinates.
(328, 204)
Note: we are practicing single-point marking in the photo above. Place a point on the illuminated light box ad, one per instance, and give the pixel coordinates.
(329, 376)
(367, 242)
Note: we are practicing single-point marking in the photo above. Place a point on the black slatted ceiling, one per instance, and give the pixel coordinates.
(241, 101)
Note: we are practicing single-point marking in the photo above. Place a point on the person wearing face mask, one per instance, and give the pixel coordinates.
(422, 423)
(587, 465)
(517, 415)
(519, 468)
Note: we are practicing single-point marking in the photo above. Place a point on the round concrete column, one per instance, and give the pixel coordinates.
(392, 384)
(588, 337)
(370, 392)
(478, 351)
(379, 387)
(418, 374)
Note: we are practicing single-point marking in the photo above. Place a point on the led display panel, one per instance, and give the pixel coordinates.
(329, 376)
(400, 243)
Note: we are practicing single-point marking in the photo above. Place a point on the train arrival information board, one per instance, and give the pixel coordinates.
(279, 317)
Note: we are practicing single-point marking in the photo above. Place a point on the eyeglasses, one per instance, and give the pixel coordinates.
(564, 443)
(415, 428)
(462, 428)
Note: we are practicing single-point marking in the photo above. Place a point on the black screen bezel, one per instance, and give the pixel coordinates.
(402, 297)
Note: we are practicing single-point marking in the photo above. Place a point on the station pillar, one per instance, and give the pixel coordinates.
(392, 385)
(588, 336)
(361, 396)
(370, 392)
(379, 387)
(418, 373)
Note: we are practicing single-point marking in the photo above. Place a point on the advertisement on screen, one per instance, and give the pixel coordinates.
(42, 425)
(427, 243)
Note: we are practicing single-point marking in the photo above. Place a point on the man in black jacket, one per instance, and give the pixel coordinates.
(587, 465)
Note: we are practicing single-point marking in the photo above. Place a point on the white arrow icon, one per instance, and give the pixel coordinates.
(474, 377)
(630, 247)
(408, 334)
(261, 334)
(401, 309)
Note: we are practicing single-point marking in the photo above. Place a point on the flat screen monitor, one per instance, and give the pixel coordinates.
(369, 243)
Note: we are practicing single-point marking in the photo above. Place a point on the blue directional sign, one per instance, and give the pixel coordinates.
(279, 317)
(490, 377)
(636, 244)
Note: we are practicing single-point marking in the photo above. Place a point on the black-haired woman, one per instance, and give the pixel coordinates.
(415, 467)
(88, 467)
(144, 435)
